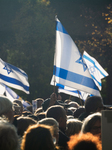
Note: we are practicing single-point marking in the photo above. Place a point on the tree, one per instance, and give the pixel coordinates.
(32, 46)
(31, 42)
(99, 44)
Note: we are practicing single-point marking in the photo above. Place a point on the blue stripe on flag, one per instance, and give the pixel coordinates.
(74, 77)
(16, 69)
(89, 59)
(96, 80)
(11, 92)
(78, 92)
(63, 87)
(59, 27)
(14, 81)
(60, 85)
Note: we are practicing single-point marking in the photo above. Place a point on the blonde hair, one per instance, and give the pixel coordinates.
(38, 137)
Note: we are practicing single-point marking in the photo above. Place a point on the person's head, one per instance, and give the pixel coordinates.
(74, 104)
(20, 104)
(53, 101)
(73, 127)
(40, 115)
(78, 112)
(37, 137)
(39, 102)
(67, 101)
(69, 112)
(93, 104)
(23, 123)
(17, 109)
(30, 108)
(84, 142)
(70, 117)
(8, 136)
(57, 112)
(54, 124)
(6, 108)
(38, 110)
(73, 109)
(92, 124)
(26, 113)
(33, 117)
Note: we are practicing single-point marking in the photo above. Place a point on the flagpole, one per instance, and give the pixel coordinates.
(54, 71)
(79, 97)
(70, 97)
(55, 62)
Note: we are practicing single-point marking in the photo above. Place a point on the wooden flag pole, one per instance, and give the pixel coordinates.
(79, 98)
(70, 97)
(55, 63)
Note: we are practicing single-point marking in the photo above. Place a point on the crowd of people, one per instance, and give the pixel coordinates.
(54, 125)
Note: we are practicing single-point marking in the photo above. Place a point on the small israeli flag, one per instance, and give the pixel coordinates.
(95, 69)
(13, 77)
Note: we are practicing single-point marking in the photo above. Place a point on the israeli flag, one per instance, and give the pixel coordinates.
(95, 69)
(11, 95)
(74, 92)
(13, 77)
(25, 104)
(2, 89)
(69, 67)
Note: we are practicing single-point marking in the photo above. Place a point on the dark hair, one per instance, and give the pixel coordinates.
(55, 112)
(89, 122)
(38, 110)
(8, 136)
(79, 111)
(39, 99)
(40, 115)
(92, 103)
(23, 123)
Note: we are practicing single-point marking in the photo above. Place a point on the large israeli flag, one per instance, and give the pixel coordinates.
(69, 67)
(13, 77)
(95, 69)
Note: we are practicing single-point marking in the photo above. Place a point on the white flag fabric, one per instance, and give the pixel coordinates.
(13, 77)
(2, 89)
(70, 91)
(11, 95)
(95, 69)
(69, 67)
(25, 104)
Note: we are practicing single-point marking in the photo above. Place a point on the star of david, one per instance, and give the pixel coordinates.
(80, 61)
(9, 70)
(92, 69)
